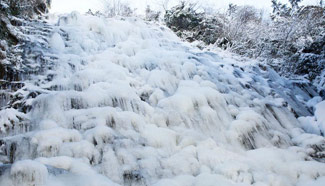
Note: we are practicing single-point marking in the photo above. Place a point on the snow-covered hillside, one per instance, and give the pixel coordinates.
(125, 102)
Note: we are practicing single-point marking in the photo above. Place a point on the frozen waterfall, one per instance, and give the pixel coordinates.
(121, 101)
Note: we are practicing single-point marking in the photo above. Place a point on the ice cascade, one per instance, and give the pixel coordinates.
(125, 102)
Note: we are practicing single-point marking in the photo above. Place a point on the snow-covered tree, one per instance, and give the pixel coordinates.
(152, 15)
(286, 38)
(27, 7)
(117, 8)
(294, 3)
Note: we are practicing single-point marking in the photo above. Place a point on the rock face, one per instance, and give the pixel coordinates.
(20, 55)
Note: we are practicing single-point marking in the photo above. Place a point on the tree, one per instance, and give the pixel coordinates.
(28, 7)
(280, 10)
(231, 9)
(117, 8)
(151, 15)
(164, 4)
(294, 3)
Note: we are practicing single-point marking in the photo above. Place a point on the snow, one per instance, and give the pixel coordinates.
(49, 141)
(315, 124)
(9, 118)
(313, 102)
(57, 43)
(131, 104)
(319, 113)
(27, 173)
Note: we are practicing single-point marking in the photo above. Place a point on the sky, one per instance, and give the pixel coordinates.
(66, 6)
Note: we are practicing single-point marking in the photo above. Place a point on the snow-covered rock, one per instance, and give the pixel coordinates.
(315, 124)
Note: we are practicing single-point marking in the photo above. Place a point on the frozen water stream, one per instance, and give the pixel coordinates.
(125, 102)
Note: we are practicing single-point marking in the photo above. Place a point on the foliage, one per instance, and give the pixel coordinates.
(152, 15)
(191, 25)
(292, 41)
(27, 7)
(117, 8)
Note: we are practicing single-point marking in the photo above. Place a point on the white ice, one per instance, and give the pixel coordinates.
(131, 104)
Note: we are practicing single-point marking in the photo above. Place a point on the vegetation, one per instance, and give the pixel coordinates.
(292, 39)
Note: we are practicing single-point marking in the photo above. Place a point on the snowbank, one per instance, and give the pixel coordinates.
(315, 124)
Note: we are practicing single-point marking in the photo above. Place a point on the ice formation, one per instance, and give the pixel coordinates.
(315, 124)
(127, 103)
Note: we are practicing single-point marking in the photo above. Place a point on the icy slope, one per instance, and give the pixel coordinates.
(127, 103)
